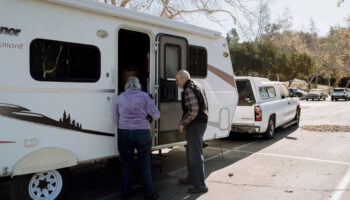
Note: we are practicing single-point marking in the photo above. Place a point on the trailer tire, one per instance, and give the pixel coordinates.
(50, 185)
(271, 129)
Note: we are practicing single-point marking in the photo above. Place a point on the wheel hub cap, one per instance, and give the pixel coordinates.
(45, 185)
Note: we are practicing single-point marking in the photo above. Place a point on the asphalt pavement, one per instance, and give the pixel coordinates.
(296, 164)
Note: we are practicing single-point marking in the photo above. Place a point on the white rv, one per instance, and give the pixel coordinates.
(63, 64)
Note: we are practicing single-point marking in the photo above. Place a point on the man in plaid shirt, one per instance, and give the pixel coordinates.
(194, 120)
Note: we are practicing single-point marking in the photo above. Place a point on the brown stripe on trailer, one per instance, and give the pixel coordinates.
(223, 75)
(5, 142)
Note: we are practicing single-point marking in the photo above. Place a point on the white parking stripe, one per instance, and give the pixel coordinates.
(341, 186)
(211, 157)
(296, 157)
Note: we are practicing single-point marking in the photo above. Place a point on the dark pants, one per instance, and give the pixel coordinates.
(195, 158)
(128, 140)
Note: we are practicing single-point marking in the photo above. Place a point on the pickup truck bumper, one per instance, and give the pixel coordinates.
(241, 128)
(339, 97)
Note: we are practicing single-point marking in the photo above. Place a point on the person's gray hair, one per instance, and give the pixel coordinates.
(184, 74)
(133, 82)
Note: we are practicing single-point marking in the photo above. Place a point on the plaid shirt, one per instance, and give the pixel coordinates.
(191, 104)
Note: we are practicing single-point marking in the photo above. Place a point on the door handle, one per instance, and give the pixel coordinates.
(288, 102)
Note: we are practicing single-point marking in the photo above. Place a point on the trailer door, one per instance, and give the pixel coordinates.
(172, 55)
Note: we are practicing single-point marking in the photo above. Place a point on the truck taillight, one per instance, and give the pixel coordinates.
(258, 113)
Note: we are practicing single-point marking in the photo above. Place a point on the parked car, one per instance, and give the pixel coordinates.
(316, 94)
(340, 93)
(298, 93)
(263, 106)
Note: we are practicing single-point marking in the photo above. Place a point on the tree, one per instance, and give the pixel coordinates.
(178, 9)
(340, 2)
(254, 23)
(294, 65)
(335, 53)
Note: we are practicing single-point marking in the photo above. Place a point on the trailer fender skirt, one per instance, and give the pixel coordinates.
(44, 160)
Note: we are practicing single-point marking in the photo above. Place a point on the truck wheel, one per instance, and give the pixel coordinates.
(297, 117)
(50, 185)
(270, 132)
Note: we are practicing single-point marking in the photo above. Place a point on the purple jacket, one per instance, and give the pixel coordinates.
(132, 108)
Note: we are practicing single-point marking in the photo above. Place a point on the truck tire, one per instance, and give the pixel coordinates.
(50, 185)
(297, 117)
(271, 129)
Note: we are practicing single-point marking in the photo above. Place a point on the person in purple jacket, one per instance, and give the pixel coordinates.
(132, 110)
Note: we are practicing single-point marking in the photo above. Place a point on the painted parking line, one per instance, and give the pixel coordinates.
(337, 194)
(212, 157)
(296, 157)
(284, 156)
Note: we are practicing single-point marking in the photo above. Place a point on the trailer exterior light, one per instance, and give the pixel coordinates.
(102, 33)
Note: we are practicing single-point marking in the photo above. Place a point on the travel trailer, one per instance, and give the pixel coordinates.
(63, 64)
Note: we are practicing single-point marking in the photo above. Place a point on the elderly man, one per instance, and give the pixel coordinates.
(194, 119)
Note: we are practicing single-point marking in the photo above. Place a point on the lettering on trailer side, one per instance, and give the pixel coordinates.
(9, 31)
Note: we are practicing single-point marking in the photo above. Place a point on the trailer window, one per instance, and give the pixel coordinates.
(64, 62)
(245, 91)
(172, 60)
(197, 62)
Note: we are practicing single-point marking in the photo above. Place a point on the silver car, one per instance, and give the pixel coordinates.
(340, 93)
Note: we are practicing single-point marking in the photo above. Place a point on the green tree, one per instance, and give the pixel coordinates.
(295, 65)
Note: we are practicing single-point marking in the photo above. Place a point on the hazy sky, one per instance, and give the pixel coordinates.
(325, 14)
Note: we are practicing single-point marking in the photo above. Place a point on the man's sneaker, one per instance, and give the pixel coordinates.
(153, 196)
(185, 181)
(198, 190)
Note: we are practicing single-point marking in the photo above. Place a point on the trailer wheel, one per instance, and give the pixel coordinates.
(271, 129)
(50, 185)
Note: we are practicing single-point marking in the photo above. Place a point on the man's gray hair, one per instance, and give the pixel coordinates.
(133, 82)
(183, 73)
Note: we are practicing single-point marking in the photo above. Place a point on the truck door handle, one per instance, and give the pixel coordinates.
(288, 102)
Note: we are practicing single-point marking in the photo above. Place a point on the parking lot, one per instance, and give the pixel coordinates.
(296, 164)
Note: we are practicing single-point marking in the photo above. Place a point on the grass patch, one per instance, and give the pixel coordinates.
(326, 128)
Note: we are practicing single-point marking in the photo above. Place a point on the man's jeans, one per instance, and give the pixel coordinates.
(128, 140)
(195, 158)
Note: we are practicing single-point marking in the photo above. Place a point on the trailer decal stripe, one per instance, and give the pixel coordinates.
(24, 114)
(223, 75)
(57, 90)
(3, 142)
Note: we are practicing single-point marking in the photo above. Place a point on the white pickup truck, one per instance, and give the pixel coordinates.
(263, 106)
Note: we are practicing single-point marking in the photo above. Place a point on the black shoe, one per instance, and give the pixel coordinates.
(124, 196)
(198, 190)
(185, 181)
(153, 196)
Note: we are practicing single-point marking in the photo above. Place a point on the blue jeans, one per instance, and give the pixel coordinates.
(128, 141)
(195, 158)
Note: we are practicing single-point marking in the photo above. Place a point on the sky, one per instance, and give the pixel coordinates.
(324, 13)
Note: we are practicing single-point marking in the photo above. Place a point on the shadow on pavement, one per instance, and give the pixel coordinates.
(102, 180)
